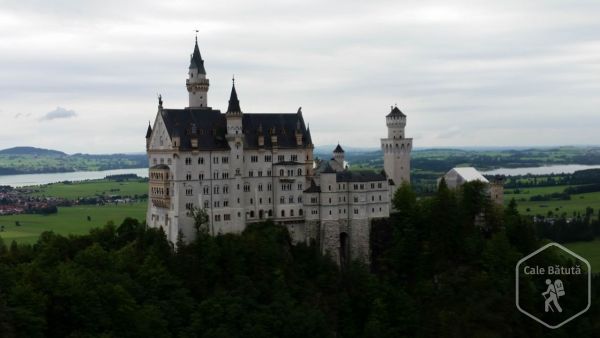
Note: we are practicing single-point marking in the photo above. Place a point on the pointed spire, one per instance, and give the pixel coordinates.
(149, 130)
(234, 103)
(338, 149)
(196, 61)
(308, 137)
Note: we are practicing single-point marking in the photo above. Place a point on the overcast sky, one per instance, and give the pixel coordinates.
(82, 76)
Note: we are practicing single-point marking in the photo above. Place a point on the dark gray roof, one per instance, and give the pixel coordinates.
(338, 149)
(396, 112)
(196, 61)
(327, 169)
(148, 131)
(314, 188)
(359, 176)
(234, 103)
(211, 127)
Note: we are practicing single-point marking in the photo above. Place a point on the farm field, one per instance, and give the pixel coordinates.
(91, 188)
(68, 220)
(588, 250)
(578, 202)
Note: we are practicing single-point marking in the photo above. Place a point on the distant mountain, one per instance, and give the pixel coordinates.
(32, 151)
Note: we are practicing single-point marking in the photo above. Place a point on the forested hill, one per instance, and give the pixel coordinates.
(31, 151)
(30, 160)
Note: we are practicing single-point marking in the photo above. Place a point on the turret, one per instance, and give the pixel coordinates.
(234, 113)
(396, 122)
(197, 83)
(338, 155)
(148, 135)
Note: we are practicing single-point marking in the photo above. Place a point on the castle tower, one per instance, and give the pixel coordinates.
(234, 113)
(197, 83)
(396, 148)
(338, 155)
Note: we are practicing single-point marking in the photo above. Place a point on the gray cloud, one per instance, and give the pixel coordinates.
(466, 73)
(58, 113)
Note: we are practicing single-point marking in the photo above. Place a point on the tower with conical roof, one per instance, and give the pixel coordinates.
(197, 83)
(234, 113)
(396, 149)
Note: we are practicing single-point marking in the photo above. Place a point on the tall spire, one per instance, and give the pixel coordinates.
(196, 60)
(234, 103)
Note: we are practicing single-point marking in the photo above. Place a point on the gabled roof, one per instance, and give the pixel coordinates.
(196, 61)
(338, 149)
(327, 169)
(469, 174)
(211, 128)
(395, 112)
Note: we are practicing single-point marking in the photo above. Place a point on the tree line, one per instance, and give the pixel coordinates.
(441, 267)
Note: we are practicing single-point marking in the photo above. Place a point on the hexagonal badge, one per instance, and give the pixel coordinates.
(553, 285)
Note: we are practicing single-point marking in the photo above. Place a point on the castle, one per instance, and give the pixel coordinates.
(248, 167)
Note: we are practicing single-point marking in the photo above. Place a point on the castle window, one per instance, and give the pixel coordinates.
(300, 212)
(299, 186)
(299, 172)
(260, 187)
(251, 201)
(201, 176)
(270, 213)
(379, 185)
(281, 172)
(269, 187)
(225, 159)
(330, 212)
(251, 173)
(294, 158)
(372, 198)
(292, 213)
(217, 218)
(188, 176)
(188, 160)
(225, 189)
(254, 158)
(282, 200)
(291, 199)
(356, 211)
(260, 173)
(268, 172)
(355, 199)
(215, 160)
(200, 160)
(188, 191)
(282, 213)
(267, 158)
(280, 158)
(329, 187)
(216, 189)
(226, 217)
(168, 161)
(380, 197)
(225, 203)
(206, 190)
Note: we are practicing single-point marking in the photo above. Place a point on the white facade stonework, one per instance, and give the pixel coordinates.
(243, 168)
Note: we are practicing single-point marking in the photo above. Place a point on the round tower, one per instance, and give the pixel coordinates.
(396, 149)
(197, 83)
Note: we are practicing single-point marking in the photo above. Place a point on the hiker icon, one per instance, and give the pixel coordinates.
(554, 291)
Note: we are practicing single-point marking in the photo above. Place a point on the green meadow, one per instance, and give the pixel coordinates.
(68, 220)
(588, 250)
(578, 202)
(91, 188)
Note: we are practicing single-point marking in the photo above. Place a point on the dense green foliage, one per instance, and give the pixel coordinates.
(440, 270)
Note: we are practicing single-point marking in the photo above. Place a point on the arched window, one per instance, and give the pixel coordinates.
(281, 172)
(299, 172)
(282, 213)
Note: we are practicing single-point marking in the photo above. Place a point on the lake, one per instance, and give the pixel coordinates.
(545, 170)
(37, 179)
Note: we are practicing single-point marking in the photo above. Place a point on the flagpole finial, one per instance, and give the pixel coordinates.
(196, 36)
